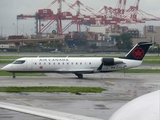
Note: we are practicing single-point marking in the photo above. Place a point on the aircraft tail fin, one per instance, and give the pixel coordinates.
(138, 51)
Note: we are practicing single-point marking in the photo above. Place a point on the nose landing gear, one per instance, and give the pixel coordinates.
(13, 75)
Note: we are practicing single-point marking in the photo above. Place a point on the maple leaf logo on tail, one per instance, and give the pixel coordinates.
(138, 51)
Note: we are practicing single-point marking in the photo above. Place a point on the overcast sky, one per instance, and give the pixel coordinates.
(9, 9)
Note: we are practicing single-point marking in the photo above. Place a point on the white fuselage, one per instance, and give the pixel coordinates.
(68, 65)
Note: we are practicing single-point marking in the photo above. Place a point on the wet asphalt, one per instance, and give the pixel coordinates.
(120, 88)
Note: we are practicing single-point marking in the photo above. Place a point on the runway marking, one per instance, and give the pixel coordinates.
(16, 99)
(23, 101)
(27, 103)
(110, 82)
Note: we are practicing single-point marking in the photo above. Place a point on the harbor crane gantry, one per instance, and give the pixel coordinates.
(106, 16)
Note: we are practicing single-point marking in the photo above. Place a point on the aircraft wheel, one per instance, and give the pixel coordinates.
(80, 76)
(14, 76)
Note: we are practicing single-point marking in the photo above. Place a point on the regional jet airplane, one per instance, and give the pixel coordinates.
(80, 65)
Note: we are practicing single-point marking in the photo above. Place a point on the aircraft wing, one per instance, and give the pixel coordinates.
(146, 107)
(44, 113)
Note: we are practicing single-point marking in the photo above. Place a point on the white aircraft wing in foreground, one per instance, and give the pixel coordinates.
(79, 65)
(146, 107)
(44, 113)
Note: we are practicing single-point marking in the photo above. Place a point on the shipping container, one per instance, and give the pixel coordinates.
(15, 37)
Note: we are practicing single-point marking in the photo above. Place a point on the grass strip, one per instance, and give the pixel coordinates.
(10, 57)
(140, 71)
(152, 57)
(6, 61)
(52, 89)
(153, 61)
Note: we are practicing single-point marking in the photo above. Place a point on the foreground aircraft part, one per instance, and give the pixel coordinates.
(79, 66)
(44, 113)
(146, 107)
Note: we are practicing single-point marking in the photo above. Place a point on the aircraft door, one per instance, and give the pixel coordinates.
(29, 64)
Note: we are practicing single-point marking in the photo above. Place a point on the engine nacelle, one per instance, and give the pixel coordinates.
(110, 61)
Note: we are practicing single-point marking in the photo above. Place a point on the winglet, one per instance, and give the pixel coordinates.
(138, 51)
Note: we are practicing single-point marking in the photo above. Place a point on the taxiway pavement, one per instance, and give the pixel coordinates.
(120, 89)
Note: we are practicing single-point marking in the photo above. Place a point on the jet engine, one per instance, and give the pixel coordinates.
(111, 61)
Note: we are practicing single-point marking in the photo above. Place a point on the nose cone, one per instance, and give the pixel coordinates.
(6, 68)
(3, 68)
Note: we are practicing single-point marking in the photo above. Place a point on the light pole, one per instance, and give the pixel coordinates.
(1, 31)
(17, 27)
(31, 31)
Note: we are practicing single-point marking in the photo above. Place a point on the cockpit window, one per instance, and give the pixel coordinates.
(19, 62)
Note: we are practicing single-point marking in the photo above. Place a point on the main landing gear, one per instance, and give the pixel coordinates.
(80, 76)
